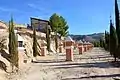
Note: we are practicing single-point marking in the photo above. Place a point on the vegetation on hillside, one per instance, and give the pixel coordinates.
(90, 37)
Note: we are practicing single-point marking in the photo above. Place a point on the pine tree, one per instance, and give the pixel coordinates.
(63, 31)
(54, 23)
(35, 50)
(117, 21)
(59, 26)
(13, 45)
(113, 41)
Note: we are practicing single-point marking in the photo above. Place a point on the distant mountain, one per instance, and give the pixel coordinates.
(89, 37)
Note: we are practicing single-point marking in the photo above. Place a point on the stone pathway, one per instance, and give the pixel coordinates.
(92, 65)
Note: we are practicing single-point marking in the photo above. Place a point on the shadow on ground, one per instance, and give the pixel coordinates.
(64, 65)
(3, 66)
(95, 57)
(49, 61)
(96, 76)
(84, 65)
(5, 55)
(89, 65)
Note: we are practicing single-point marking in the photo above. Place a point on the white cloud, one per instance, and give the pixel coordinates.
(39, 8)
(5, 9)
(31, 5)
(10, 10)
(36, 7)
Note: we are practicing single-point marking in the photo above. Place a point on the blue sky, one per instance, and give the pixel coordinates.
(83, 16)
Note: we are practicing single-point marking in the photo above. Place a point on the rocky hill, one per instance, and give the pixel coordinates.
(89, 37)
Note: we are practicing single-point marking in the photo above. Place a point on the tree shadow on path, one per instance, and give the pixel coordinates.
(85, 65)
(95, 76)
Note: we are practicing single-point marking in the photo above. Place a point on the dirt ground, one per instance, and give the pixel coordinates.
(92, 65)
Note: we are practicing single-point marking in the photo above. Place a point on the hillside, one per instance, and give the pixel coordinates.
(89, 37)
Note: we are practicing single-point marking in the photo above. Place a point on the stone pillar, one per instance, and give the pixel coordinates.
(61, 47)
(21, 55)
(88, 45)
(85, 47)
(80, 47)
(43, 48)
(21, 50)
(69, 48)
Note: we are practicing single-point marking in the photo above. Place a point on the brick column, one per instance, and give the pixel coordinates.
(69, 48)
(88, 45)
(85, 47)
(43, 48)
(80, 47)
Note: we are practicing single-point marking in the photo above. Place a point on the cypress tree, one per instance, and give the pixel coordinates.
(107, 40)
(101, 43)
(48, 38)
(113, 41)
(104, 44)
(35, 51)
(13, 45)
(10, 38)
(117, 21)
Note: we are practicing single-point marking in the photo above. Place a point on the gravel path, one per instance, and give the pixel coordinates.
(92, 65)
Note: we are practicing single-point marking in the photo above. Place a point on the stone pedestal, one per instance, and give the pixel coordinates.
(43, 51)
(69, 54)
(85, 48)
(81, 49)
(69, 48)
(43, 48)
(21, 55)
(88, 47)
